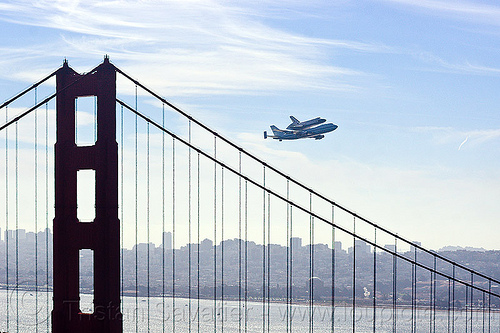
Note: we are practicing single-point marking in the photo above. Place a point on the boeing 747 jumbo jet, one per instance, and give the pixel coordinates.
(300, 130)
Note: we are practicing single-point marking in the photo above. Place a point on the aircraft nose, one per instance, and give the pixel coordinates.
(335, 127)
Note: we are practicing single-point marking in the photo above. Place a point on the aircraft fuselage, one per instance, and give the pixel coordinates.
(314, 132)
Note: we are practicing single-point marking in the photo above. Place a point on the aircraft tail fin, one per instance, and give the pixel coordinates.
(275, 129)
(294, 120)
(265, 134)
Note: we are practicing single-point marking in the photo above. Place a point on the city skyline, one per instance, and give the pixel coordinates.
(294, 242)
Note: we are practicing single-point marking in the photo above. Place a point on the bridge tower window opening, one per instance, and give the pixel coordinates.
(86, 120)
(86, 280)
(85, 180)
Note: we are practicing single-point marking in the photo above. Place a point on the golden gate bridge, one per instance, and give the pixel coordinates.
(106, 169)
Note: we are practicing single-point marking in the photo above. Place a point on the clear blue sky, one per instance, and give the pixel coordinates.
(413, 86)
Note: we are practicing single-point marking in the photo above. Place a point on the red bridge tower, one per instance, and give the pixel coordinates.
(102, 235)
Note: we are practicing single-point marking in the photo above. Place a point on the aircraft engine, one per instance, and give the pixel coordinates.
(319, 137)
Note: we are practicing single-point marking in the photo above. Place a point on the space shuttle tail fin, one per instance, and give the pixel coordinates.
(275, 129)
(294, 120)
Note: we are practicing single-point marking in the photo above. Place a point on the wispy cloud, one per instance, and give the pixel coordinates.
(464, 67)
(463, 10)
(473, 138)
(189, 46)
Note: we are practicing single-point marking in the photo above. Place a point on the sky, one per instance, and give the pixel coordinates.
(412, 85)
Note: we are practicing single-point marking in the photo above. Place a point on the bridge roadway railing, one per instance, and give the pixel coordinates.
(215, 239)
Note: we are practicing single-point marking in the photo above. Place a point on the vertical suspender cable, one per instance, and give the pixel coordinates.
(431, 286)
(375, 281)
(471, 299)
(7, 234)
(414, 291)
(268, 260)
(291, 268)
(434, 299)
(122, 222)
(47, 212)
(198, 247)
(163, 240)
(483, 307)
(239, 242)
(264, 250)
(136, 220)
(311, 266)
(174, 296)
(222, 251)
(333, 272)
(147, 217)
(466, 308)
(36, 214)
(215, 235)
(394, 286)
(246, 256)
(354, 278)
(489, 306)
(313, 249)
(288, 303)
(453, 302)
(448, 319)
(17, 226)
(449, 305)
(189, 227)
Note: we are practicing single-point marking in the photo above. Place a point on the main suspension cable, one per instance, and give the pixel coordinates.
(46, 100)
(25, 91)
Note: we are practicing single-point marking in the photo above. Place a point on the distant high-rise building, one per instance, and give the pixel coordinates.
(338, 246)
(295, 243)
(30, 237)
(361, 247)
(10, 235)
(143, 247)
(21, 234)
(390, 247)
(167, 240)
(413, 248)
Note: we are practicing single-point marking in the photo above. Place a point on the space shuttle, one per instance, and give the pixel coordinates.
(298, 125)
